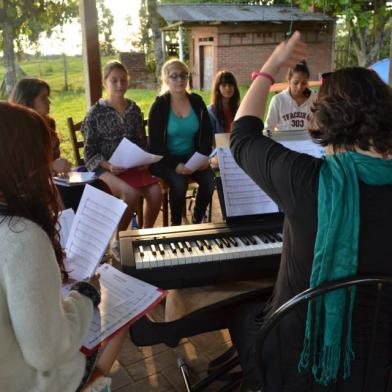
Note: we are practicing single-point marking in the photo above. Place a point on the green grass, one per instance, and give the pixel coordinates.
(72, 103)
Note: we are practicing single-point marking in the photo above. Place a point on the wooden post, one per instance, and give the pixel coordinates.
(181, 42)
(91, 55)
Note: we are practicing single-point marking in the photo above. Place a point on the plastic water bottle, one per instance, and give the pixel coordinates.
(134, 225)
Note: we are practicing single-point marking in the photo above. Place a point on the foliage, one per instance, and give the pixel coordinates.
(30, 18)
(368, 23)
(105, 24)
(27, 19)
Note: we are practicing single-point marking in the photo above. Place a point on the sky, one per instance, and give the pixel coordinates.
(69, 41)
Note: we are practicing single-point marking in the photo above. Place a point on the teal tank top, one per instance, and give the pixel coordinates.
(181, 132)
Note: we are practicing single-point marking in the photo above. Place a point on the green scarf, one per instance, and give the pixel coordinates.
(336, 256)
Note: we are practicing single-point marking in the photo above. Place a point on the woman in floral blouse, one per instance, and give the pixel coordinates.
(106, 124)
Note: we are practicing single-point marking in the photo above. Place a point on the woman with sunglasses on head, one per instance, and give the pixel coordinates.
(225, 97)
(289, 110)
(178, 126)
(334, 228)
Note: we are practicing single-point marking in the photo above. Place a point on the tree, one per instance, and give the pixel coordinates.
(105, 24)
(29, 18)
(369, 23)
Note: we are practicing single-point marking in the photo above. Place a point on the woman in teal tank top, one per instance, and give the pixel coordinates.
(179, 126)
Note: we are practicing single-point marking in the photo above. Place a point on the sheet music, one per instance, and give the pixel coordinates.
(96, 219)
(298, 141)
(66, 218)
(123, 298)
(128, 155)
(242, 195)
(196, 161)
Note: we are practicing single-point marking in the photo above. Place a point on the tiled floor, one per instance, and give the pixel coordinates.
(154, 368)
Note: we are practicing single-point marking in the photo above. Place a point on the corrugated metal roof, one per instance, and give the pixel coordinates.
(209, 13)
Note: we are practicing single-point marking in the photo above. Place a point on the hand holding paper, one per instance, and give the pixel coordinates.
(197, 161)
(128, 155)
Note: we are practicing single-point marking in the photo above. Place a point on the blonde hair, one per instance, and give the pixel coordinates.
(170, 64)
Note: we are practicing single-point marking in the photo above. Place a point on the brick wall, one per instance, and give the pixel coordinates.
(139, 77)
(243, 48)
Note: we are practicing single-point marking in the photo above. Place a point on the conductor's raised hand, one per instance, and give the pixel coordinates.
(286, 54)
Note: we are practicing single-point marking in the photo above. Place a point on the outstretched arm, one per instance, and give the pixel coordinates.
(286, 54)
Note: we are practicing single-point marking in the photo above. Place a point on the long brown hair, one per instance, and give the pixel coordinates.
(26, 90)
(224, 77)
(25, 176)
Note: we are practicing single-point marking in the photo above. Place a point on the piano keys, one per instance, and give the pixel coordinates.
(204, 254)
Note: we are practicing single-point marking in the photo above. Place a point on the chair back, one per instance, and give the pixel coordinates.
(309, 297)
(76, 140)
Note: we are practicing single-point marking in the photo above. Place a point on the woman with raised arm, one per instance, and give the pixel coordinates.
(334, 226)
(225, 100)
(290, 109)
(106, 124)
(179, 126)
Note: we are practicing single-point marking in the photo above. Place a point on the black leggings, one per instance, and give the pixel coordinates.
(178, 185)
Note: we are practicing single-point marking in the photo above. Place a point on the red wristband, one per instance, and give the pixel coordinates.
(267, 75)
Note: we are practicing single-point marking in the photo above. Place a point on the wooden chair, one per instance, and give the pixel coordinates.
(76, 140)
(378, 293)
(78, 145)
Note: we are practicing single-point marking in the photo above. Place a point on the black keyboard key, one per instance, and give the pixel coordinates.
(244, 240)
(161, 249)
(141, 250)
(200, 244)
(233, 241)
(153, 249)
(226, 242)
(188, 246)
(180, 246)
(173, 247)
(218, 242)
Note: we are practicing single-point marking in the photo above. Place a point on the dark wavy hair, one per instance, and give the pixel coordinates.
(25, 176)
(302, 66)
(353, 108)
(224, 77)
(26, 90)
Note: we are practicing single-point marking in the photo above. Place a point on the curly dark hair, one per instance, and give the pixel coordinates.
(26, 182)
(224, 77)
(353, 109)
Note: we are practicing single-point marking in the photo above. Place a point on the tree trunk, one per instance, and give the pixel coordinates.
(9, 56)
(153, 17)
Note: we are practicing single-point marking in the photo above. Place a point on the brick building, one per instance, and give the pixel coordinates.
(139, 77)
(239, 38)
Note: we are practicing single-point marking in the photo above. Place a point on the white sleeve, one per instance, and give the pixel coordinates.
(49, 330)
(273, 115)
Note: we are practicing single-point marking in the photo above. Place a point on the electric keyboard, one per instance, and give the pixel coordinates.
(203, 254)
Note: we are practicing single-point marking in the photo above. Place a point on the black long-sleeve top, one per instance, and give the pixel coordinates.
(291, 180)
(157, 127)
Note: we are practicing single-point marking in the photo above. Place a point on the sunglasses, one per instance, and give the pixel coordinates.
(181, 76)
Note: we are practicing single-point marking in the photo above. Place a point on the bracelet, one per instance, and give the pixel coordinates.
(88, 290)
(267, 75)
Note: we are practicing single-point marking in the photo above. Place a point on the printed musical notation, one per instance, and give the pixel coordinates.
(123, 299)
(242, 195)
(96, 219)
